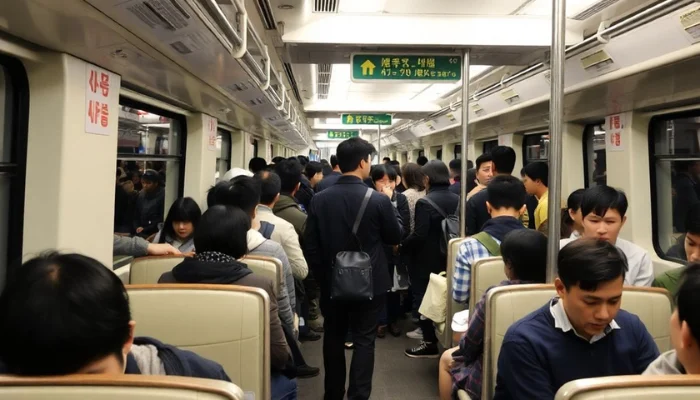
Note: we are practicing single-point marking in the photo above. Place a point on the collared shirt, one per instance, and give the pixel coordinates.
(469, 252)
(561, 321)
(575, 235)
(541, 210)
(640, 271)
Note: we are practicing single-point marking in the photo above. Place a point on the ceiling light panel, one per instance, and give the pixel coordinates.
(573, 7)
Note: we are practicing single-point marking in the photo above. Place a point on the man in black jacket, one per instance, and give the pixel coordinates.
(330, 179)
(331, 215)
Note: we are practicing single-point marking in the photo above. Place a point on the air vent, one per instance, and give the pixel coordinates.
(290, 75)
(594, 9)
(240, 86)
(326, 6)
(256, 102)
(324, 80)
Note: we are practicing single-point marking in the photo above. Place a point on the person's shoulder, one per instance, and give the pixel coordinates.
(629, 247)
(479, 198)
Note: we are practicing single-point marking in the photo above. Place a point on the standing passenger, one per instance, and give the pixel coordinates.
(581, 333)
(150, 205)
(482, 174)
(415, 190)
(603, 209)
(328, 232)
(428, 255)
(332, 178)
(536, 177)
(456, 176)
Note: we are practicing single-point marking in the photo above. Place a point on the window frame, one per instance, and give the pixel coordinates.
(588, 130)
(538, 133)
(17, 168)
(483, 145)
(181, 157)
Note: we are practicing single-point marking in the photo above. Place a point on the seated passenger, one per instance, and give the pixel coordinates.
(505, 205)
(603, 209)
(580, 333)
(535, 177)
(150, 205)
(180, 224)
(573, 208)
(685, 325)
(690, 248)
(524, 253)
(243, 192)
(69, 314)
(221, 239)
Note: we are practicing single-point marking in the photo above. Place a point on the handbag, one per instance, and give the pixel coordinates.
(351, 277)
(434, 304)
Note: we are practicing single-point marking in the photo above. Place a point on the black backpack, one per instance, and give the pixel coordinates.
(450, 225)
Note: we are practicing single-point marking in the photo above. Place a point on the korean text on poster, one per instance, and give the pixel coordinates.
(98, 111)
(613, 133)
(210, 126)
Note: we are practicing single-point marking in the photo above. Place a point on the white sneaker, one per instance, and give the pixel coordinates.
(415, 334)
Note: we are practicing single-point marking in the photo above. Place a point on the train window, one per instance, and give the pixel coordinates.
(458, 152)
(489, 145)
(14, 103)
(223, 159)
(675, 148)
(149, 139)
(255, 147)
(421, 153)
(594, 167)
(439, 154)
(536, 148)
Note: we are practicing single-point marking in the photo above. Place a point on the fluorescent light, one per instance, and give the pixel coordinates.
(544, 7)
(361, 6)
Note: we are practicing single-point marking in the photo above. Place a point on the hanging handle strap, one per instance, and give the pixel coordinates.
(435, 206)
(365, 201)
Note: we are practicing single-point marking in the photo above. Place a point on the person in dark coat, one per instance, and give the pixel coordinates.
(331, 216)
(425, 243)
(150, 205)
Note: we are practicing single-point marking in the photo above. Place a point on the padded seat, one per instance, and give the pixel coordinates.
(676, 387)
(486, 272)
(444, 330)
(147, 270)
(228, 324)
(112, 387)
(507, 304)
(268, 267)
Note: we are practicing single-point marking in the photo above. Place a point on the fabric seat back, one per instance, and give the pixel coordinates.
(676, 387)
(268, 267)
(147, 270)
(486, 272)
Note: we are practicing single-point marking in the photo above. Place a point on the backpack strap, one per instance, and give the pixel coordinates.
(356, 226)
(435, 206)
(487, 241)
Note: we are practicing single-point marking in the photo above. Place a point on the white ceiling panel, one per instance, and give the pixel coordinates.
(465, 7)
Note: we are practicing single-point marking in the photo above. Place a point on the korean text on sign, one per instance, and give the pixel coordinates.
(98, 86)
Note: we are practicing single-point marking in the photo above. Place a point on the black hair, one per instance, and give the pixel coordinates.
(396, 165)
(277, 159)
(351, 152)
(380, 171)
(422, 160)
(289, 172)
(456, 165)
(312, 168)
(224, 230)
(601, 198)
(386, 159)
(334, 161)
(412, 176)
(324, 162)
(242, 192)
(303, 160)
(506, 191)
(60, 313)
(688, 299)
(589, 262)
(270, 186)
(573, 202)
(486, 157)
(470, 164)
(327, 169)
(437, 173)
(692, 219)
(471, 177)
(257, 164)
(184, 209)
(503, 158)
(537, 171)
(525, 252)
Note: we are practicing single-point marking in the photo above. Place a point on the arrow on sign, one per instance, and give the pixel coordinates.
(368, 67)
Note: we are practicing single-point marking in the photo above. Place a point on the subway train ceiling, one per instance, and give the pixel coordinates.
(281, 69)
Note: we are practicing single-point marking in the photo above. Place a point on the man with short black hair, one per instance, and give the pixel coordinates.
(684, 327)
(536, 179)
(386, 160)
(331, 216)
(257, 164)
(150, 205)
(503, 162)
(581, 333)
(290, 173)
(422, 160)
(688, 249)
(69, 314)
(603, 209)
(330, 179)
(456, 176)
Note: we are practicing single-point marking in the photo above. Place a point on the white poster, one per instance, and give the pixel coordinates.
(210, 126)
(98, 110)
(613, 133)
(505, 140)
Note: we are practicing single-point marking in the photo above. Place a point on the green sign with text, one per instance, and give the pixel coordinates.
(343, 134)
(397, 67)
(366, 119)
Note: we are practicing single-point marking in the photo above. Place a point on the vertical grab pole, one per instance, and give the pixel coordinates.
(556, 118)
(465, 142)
(379, 144)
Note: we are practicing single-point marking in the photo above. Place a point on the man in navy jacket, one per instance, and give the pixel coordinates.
(331, 216)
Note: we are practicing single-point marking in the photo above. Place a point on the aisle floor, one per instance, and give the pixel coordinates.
(395, 375)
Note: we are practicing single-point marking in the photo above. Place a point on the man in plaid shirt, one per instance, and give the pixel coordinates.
(525, 255)
(505, 205)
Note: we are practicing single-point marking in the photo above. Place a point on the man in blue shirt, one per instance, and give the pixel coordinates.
(580, 333)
